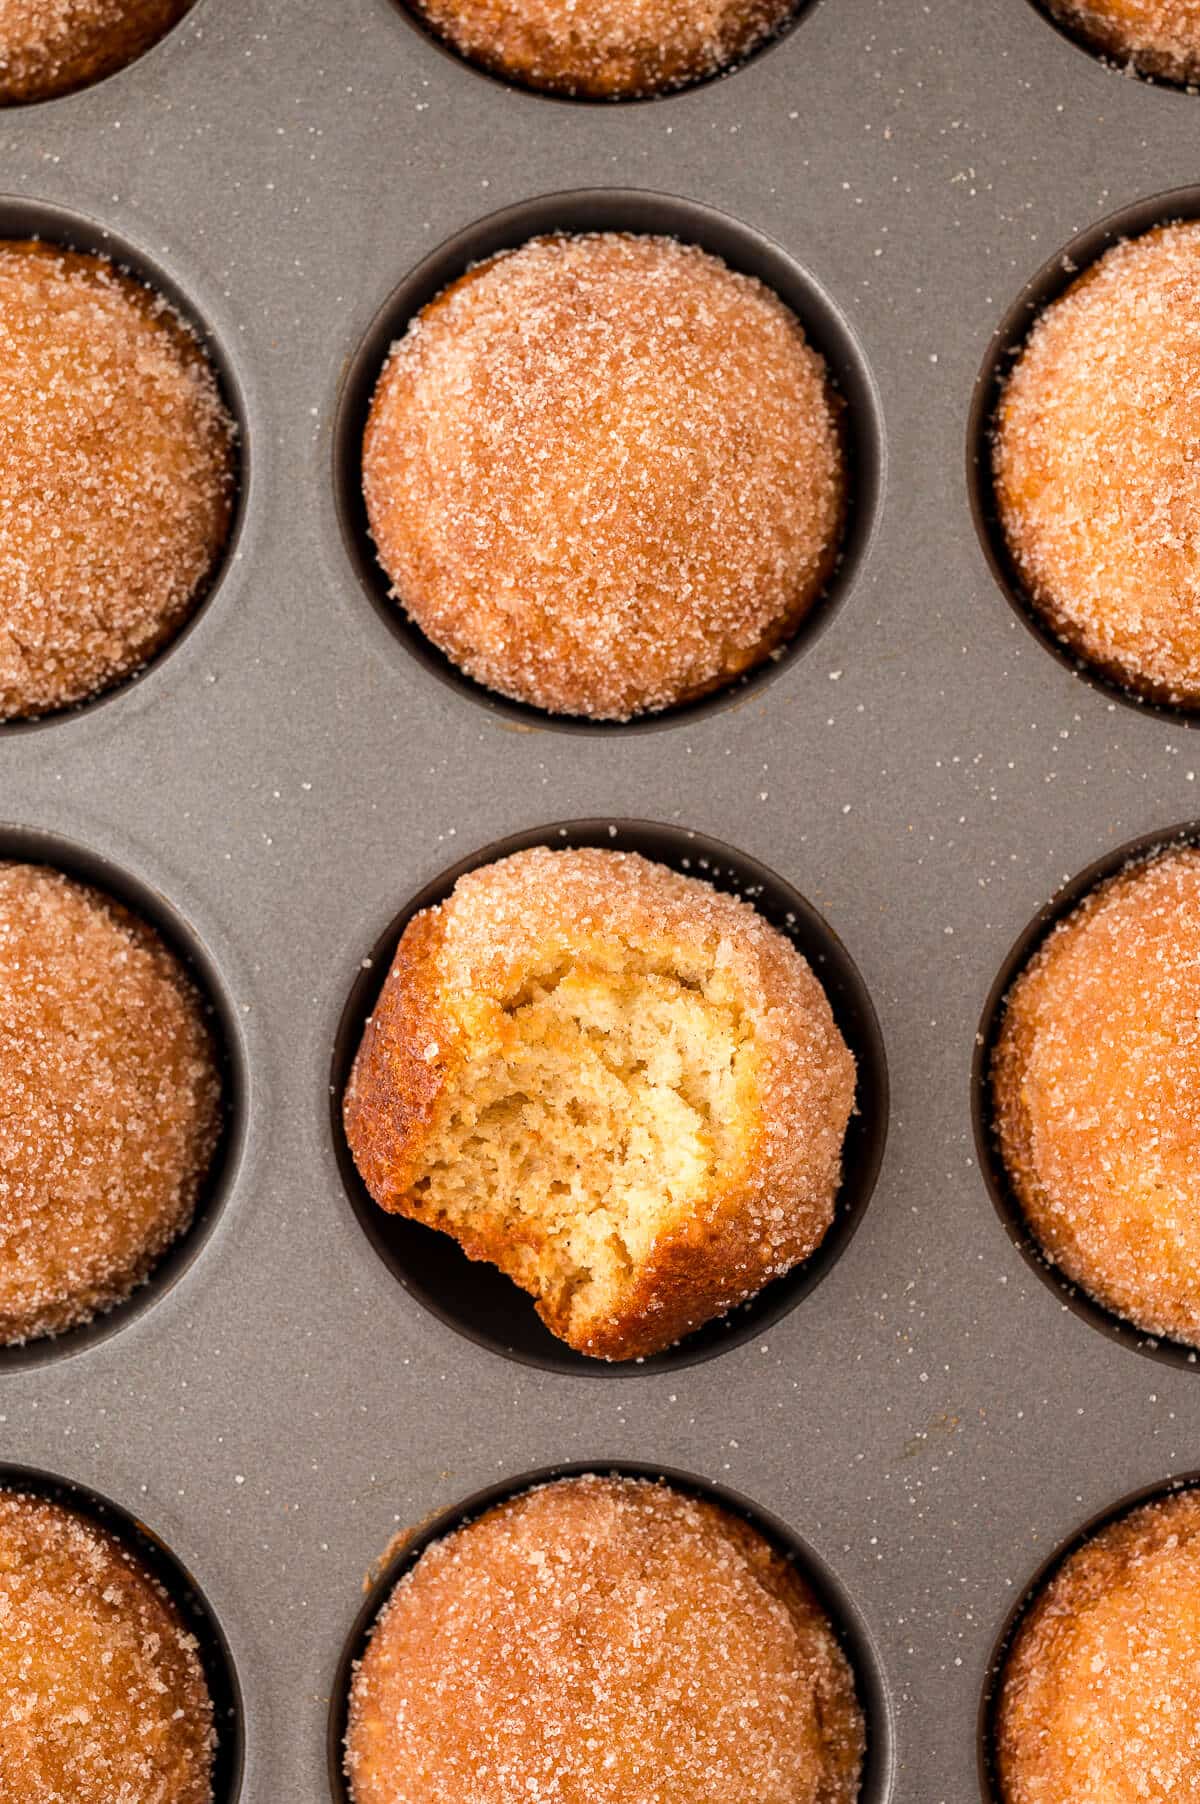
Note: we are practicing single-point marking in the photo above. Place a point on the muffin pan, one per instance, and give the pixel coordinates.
(931, 1418)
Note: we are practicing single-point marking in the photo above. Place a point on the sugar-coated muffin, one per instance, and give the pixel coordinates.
(49, 47)
(1097, 464)
(1155, 37)
(605, 474)
(1100, 1695)
(604, 1641)
(618, 1084)
(113, 1101)
(117, 476)
(1096, 1089)
(103, 1698)
(605, 49)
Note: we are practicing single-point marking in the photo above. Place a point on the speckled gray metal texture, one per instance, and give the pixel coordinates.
(931, 1419)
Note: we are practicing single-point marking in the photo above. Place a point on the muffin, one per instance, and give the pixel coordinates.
(604, 474)
(605, 49)
(113, 1104)
(117, 476)
(618, 1084)
(1100, 1694)
(48, 47)
(1096, 1094)
(102, 1693)
(603, 1641)
(1155, 37)
(1097, 465)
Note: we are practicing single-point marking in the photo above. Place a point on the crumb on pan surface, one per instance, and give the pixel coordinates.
(1100, 1695)
(1156, 37)
(113, 1101)
(1097, 464)
(605, 49)
(605, 474)
(49, 47)
(604, 1641)
(618, 1084)
(117, 476)
(1096, 1083)
(102, 1693)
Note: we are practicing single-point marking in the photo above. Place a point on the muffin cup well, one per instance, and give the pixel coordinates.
(476, 1299)
(613, 210)
(27, 845)
(195, 1611)
(21, 218)
(1007, 342)
(848, 1623)
(989, 1703)
(991, 1164)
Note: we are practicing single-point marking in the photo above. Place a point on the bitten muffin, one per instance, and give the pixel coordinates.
(1097, 464)
(1155, 37)
(1096, 1087)
(618, 1084)
(49, 47)
(112, 1101)
(1100, 1696)
(605, 474)
(117, 476)
(103, 1698)
(604, 1641)
(605, 49)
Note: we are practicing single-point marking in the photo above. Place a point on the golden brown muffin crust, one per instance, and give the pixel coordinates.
(117, 476)
(605, 49)
(604, 474)
(49, 47)
(112, 1101)
(618, 1084)
(1096, 1089)
(1097, 464)
(102, 1693)
(1158, 37)
(1100, 1697)
(603, 1641)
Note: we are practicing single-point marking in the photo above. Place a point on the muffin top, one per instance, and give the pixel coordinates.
(49, 47)
(603, 1641)
(604, 474)
(117, 476)
(1156, 37)
(113, 1101)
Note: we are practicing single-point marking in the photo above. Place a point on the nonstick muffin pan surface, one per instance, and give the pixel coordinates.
(933, 1418)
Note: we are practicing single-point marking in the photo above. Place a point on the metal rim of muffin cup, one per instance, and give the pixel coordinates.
(639, 211)
(22, 217)
(990, 1791)
(475, 1299)
(1007, 342)
(1063, 903)
(495, 78)
(849, 1625)
(102, 81)
(29, 845)
(197, 1614)
(1076, 36)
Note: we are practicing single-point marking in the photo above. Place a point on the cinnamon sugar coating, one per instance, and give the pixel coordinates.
(1096, 1087)
(1100, 1697)
(603, 1641)
(1097, 464)
(618, 1084)
(605, 49)
(112, 1101)
(49, 47)
(102, 1694)
(1156, 37)
(604, 474)
(117, 476)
